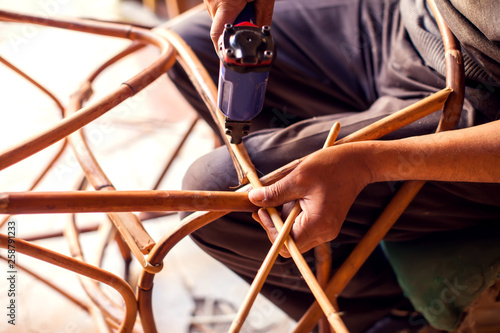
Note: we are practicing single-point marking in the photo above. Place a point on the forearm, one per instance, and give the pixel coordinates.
(468, 155)
(465, 155)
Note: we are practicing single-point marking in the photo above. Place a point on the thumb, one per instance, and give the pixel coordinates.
(274, 195)
(225, 13)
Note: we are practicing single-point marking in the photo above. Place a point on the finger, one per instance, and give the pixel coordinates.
(274, 195)
(262, 216)
(210, 8)
(267, 224)
(263, 12)
(255, 216)
(272, 233)
(307, 236)
(225, 13)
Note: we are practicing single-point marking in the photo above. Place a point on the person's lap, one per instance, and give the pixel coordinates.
(322, 76)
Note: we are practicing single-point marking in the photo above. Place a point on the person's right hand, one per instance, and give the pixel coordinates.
(325, 183)
(226, 11)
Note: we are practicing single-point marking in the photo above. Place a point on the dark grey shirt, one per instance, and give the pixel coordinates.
(476, 24)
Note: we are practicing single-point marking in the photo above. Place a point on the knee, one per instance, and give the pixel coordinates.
(211, 172)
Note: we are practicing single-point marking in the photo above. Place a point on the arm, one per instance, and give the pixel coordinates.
(226, 11)
(328, 181)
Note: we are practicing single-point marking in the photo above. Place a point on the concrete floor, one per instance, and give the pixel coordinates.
(132, 143)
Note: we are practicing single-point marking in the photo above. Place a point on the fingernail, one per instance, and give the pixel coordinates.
(257, 194)
(256, 217)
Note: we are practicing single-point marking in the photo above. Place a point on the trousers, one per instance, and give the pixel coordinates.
(352, 62)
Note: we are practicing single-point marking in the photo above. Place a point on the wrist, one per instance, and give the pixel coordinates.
(382, 161)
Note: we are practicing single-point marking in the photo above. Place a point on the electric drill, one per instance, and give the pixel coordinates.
(246, 53)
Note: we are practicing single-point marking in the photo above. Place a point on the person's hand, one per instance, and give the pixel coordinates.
(328, 181)
(326, 184)
(226, 11)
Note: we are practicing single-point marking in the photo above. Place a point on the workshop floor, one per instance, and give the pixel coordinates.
(193, 293)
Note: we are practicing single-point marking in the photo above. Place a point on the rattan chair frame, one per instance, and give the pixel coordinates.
(127, 228)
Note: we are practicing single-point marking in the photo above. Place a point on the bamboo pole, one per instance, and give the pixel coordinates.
(362, 251)
(273, 253)
(305, 270)
(397, 120)
(122, 201)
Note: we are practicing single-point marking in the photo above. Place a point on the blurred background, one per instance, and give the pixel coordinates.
(133, 142)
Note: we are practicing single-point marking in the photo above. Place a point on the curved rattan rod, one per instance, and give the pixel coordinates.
(86, 115)
(204, 86)
(33, 82)
(129, 225)
(56, 157)
(145, 283)
(104, 310)
(135, 233)
(85, 269)
(50, 284)
(455, 80)
(103, 306)
(131, 49)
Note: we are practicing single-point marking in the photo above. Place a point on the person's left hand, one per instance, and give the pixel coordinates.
(326, 183)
